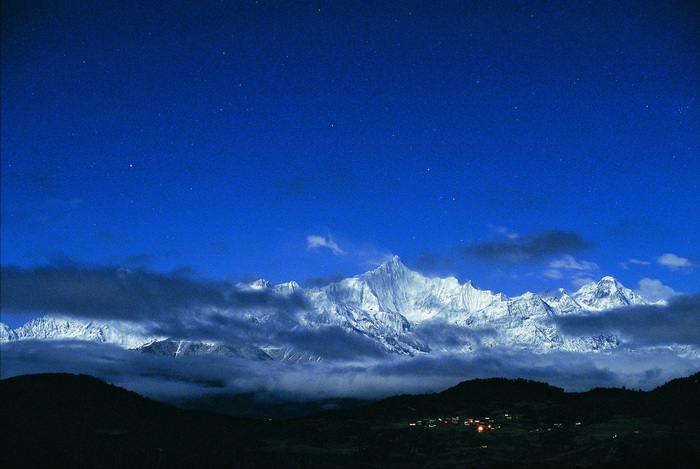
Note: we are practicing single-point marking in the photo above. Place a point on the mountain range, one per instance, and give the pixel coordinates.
(388, 310)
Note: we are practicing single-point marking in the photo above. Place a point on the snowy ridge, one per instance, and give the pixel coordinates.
(65, 328)
(398, 310)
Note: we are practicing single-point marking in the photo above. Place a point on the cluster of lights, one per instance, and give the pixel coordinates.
(481, 427)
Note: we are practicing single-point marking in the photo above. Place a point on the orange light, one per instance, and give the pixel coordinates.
(480, 429)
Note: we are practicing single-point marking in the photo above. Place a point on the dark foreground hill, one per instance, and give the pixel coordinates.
(59, 420)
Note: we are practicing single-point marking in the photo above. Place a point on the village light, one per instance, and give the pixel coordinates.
(480, 429)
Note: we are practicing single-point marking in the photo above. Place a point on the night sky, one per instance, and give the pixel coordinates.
(522, 145)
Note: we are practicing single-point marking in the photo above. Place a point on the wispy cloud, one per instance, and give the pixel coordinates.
(626, 265)
(577, 271)
(504, 231)
(372, 256)
(317, 241)
(568, 262)
(580, 281)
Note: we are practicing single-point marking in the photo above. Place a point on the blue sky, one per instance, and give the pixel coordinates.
(524, 146)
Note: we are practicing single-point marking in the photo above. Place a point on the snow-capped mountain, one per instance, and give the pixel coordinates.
(391, 308)
(606, 294)
(6, 333)
(61, 327)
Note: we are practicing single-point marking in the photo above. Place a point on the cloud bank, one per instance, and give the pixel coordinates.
(511, 249)
(169, 304)
(204, 379)
(647, 325)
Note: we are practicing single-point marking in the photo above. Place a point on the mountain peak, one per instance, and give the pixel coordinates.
(287, 287)
(260, 284)
(606, 294)
(471, 284)
(396, 260)
(395, 264)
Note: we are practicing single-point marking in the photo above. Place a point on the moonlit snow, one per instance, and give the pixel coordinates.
(390, 330)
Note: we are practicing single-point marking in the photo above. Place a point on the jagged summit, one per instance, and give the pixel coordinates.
(607, 293)
(472, 285)
(260, 284)
(395, 259)
(395, 266)
(392, 266)
(288, 287)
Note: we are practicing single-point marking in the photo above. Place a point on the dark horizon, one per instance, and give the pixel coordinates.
(496, 422)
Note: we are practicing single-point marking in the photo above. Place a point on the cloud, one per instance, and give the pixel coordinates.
(440, 334)
(568, 266)
(674, 262)
(372, 256)
(508, 248)
(568, 262)
(316, 241)
(580, 281)
(204, 380)
(643, 325)
(625, 265)
(504, 231)
(359, 367)
(553, 274)
(654, 290)
(529, 249)
(169, 300)
(330, 343)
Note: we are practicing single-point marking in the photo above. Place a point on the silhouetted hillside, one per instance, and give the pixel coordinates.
(678, 399)
(474, 396)
(59, 420)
